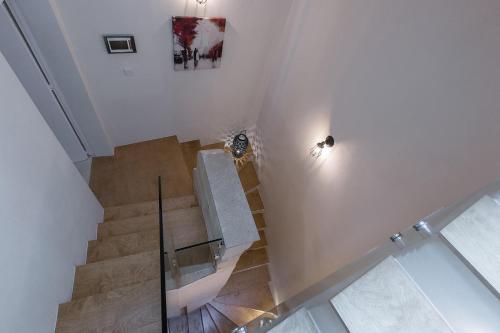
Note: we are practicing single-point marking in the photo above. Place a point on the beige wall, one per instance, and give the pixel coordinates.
(410, 90)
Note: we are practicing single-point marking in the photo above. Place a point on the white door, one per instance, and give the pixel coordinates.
(27, 67)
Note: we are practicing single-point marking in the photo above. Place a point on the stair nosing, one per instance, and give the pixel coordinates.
(212, 318)
(82, 299)
(249, 268)
(213, 307)
(103, 261)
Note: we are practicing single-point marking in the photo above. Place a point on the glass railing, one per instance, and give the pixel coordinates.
(184, 262)
(194, 262)
(451, 276)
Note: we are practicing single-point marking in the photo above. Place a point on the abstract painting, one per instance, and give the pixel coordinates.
(197, 42)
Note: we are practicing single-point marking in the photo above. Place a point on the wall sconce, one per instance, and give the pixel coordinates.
(240, 145)
(201, 2)
(317, 150)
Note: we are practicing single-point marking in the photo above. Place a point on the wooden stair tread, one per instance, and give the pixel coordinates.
(127, 226)
(195, 321)
(255, 202)
(237, 314)
(189, 151)
(248, 177)
(104, 276)
(217, 145)
(208, 323)
(123, 245)
(185, 227)
(131, 174)
(151, 328)
(250, 259)
(131, 308)
(178, 324)
(260, 243)
(186, 223)
(260, 223)
(148, 207)
(257, 297)
(246, 279)
(223, 324)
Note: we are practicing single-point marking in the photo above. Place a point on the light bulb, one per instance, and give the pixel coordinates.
(316, 151)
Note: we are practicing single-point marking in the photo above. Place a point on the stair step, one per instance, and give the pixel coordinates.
(208, 323)
(223, 324)
(248, 177)
(299, 322)
(255, 202)
(130, 175)
(127, 226)
(134, 308)
(475, 234)
(151, 328)
(195, 322)
(257, 297)
(260, 223)
(251, 259)
(217, 145)
(148, 207)
(258, 276)
(186, 224)
(260, 243)
(409, 309)
(237, 314)
(185, 227)
(123, 245)
(107, 275)
(178, 324)
(190, 150)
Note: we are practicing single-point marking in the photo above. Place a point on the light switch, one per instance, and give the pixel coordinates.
(128, 71)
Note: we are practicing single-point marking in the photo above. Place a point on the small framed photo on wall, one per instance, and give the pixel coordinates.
(120, 44)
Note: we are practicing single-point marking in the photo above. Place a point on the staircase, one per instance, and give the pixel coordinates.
(118, 289)
(441, 275)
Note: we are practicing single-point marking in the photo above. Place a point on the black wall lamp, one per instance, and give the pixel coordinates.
(317, 150)
(240, 145)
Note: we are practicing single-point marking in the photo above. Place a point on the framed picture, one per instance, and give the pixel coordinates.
(120, 44)
(198, 42)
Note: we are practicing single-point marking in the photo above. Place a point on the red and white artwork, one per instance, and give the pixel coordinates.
(197, 42)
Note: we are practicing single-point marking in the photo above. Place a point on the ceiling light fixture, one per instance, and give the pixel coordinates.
(317, 150)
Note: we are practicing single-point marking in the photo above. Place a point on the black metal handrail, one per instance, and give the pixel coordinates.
(164, 328)
(198, 244)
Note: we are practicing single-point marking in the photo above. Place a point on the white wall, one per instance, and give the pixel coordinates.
(156, 101)
(85, 168)
(410, 90)
(47, 214)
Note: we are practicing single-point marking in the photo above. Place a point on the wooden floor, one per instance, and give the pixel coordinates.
(118, 290)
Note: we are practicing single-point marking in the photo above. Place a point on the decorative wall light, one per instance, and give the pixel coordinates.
(317, 150)
(240, 145)
(201, 2)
